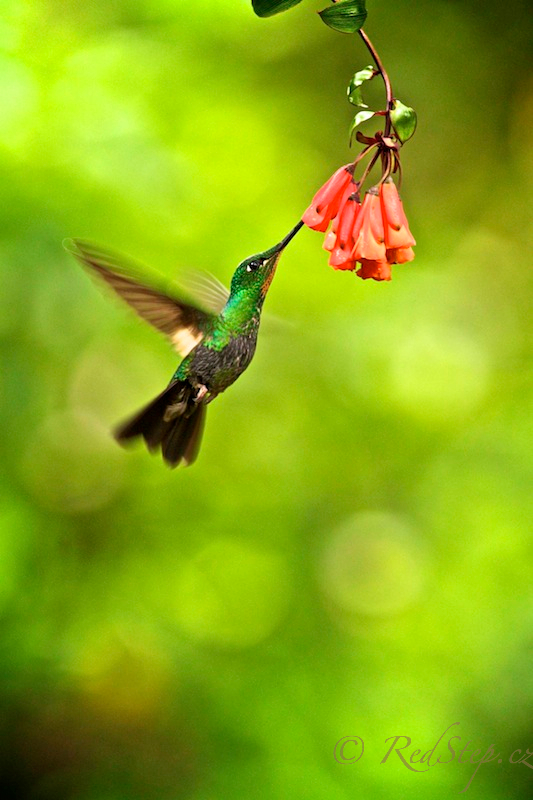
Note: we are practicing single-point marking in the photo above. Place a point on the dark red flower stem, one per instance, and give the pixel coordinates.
(364, 153)
(368, 169)
(383, 72)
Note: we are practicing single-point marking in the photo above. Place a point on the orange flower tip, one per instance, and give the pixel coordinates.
(400, 255)
(329, 241)
(346, 266)
(377, 270)
(398, 239)
(313, 212)
(314, 220)
(309, 216)
(367, 249)
(339, 256)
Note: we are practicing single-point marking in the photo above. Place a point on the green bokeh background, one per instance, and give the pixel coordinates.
(351, 554)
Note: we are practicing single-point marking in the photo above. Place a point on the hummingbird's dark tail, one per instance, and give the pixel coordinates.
(172, 421)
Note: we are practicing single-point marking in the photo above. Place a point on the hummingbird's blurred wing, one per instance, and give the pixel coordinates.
(210, 292)
(184, 324)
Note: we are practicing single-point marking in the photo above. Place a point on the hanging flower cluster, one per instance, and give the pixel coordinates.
(371, 235)
(367, 237)
(369, 230)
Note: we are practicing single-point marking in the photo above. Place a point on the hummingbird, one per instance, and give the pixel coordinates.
(216, 342)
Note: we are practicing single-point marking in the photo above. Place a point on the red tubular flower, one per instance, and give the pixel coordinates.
(368, 233)
(397, 233)
(331, 236)
(327, 200)
(377, 270)
(341, 253)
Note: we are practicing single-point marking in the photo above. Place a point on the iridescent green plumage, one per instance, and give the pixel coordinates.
(216, 347)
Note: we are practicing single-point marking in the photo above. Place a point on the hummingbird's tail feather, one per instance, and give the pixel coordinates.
(182, 437)
(172, 421)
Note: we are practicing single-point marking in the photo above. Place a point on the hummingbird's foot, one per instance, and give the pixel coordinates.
(201, 393)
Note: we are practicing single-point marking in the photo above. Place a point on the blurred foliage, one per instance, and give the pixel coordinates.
(351, 554)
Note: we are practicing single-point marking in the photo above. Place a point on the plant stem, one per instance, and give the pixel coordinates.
(383, 72)
(368, 169)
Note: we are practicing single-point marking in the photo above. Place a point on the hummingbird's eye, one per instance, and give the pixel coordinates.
(254, 265)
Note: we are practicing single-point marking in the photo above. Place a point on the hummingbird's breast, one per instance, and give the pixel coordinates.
(218, 368)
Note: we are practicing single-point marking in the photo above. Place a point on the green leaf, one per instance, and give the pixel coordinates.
(356, 97)
(360, 117)
(346, 16)
(403, 120)
(354, 91)
(267, 8)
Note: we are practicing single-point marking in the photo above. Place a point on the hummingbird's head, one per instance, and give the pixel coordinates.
(254, 275)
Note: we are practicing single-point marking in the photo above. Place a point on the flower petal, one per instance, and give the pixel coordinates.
(340, 178)
(330, 238)
(377, 270)
(342, 250)
(327, 200)
(349, 265)
(400, 255)
(397, 233)
(317, 219)
(368, 230)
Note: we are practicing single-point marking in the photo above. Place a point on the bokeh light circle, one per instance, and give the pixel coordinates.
(232, 593)
(372, 565)
(72, 464)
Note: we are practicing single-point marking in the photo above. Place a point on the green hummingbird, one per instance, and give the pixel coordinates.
(216, 345)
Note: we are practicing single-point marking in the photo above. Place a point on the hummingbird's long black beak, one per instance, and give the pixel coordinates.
(278, 249)
(274, 255)
(284, 242)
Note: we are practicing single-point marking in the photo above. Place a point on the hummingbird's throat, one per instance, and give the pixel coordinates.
(268, 280)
